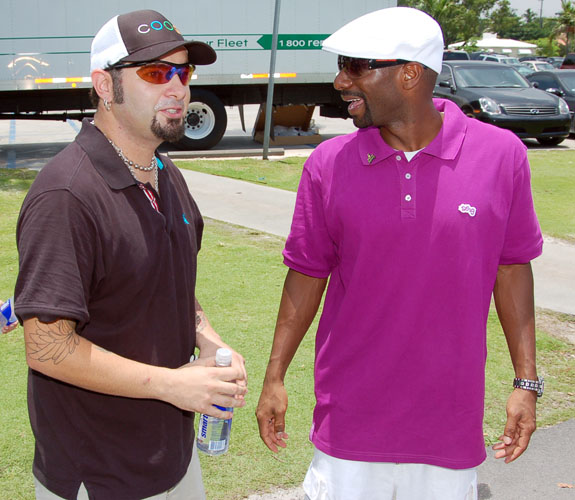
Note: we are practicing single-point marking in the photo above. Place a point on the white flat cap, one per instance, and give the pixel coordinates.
(394, 33)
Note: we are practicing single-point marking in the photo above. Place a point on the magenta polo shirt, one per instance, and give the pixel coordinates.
(412, 249)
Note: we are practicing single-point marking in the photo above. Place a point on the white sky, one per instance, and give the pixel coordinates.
(550, 7)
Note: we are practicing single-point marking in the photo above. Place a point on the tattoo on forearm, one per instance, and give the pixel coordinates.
(52, 342)
(201, 321)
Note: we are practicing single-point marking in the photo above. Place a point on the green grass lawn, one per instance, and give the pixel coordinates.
(239, 285)
(553, 180)
(553, 184)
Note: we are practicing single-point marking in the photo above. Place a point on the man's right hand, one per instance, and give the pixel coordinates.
(270, 413)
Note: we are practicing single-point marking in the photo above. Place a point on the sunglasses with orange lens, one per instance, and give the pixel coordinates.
(160, 72)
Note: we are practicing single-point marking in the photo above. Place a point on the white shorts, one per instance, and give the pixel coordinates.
(190, 487)
(330, 478)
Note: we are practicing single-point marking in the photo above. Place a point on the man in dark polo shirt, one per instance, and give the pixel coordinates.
(108, 237)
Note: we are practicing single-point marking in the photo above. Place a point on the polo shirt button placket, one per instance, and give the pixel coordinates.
(407, 189)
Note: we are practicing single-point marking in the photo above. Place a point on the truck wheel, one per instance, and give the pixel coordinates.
(206, 121)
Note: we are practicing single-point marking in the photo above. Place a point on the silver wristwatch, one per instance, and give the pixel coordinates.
(530, 385)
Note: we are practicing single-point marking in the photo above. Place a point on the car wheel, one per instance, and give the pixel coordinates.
(205, 122)
(550, 141)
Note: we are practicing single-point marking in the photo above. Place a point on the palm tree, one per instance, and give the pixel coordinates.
(566, 22)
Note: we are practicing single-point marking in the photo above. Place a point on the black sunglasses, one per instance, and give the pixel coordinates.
(160, 72)
(356, 67)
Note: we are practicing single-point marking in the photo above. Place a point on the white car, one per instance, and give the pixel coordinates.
(539, 65)
(500, 59)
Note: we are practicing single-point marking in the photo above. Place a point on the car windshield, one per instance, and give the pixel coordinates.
(524, 70)
(490, 77)
(511, 60)
(543, 66)
(568, 81)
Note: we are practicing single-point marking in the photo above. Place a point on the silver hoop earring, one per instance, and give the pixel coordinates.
(107, 105)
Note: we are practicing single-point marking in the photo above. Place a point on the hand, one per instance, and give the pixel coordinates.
(9, 328)
(200, 385)
(237, 362)
(520, 425)
(270, 413)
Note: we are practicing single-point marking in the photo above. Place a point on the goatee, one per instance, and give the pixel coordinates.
(172, 131)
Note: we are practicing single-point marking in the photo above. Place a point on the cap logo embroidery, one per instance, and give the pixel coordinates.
(370, 158)
(464, 208)
(155, 25)
(185, 218)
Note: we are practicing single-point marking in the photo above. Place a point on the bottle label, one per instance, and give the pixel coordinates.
(217, 445)
(7, 316)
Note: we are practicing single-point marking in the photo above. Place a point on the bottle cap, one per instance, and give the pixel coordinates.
(223, 357)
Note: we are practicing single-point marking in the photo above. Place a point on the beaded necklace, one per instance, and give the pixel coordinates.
(132, 165)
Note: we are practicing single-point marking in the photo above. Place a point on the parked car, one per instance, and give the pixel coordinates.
(496, 93)
(536, 58)
(500, 59)
(455, 55)
(522, 69)
(538, 65)
(568, 62)
(556, 61)
(476, 56)
(560, 82)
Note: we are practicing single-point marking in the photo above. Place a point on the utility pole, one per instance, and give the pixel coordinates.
(541, 14)
(270, 97)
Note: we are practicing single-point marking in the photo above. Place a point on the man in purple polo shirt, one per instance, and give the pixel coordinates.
(416, 218)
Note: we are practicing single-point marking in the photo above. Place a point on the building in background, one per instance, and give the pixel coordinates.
(490, 43)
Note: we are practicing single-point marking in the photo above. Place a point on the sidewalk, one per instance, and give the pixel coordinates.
(269, 210)
(550, 459)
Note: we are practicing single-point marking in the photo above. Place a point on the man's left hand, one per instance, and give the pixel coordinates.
(520, 425)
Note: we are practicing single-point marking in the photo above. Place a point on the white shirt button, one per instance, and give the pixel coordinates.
(398, 158)
(408, 197)
(408, 176)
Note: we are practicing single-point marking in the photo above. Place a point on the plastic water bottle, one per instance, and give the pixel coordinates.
(214, 433)
(7, 316)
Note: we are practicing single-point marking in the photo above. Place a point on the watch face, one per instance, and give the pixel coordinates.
(541, 386)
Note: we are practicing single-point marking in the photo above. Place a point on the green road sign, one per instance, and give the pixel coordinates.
(293, 42)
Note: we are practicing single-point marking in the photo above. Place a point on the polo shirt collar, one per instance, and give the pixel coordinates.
(445, 145)
(103, 156)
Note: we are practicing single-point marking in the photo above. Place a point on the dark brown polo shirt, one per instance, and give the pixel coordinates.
(94, 250)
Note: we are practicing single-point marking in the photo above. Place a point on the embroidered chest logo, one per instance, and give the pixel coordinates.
(370, 158)
(465, 208)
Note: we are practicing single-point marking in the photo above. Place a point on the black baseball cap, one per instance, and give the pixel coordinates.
(143, 35)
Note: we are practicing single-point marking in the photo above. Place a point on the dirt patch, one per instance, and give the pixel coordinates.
(557, 324)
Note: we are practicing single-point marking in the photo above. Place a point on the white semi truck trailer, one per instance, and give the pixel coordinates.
(45, 52)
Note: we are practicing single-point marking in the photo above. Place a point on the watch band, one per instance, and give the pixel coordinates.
(530, 385)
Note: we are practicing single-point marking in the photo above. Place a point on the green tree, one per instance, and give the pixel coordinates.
(530, 16)
(459, 19)
(504, 21)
